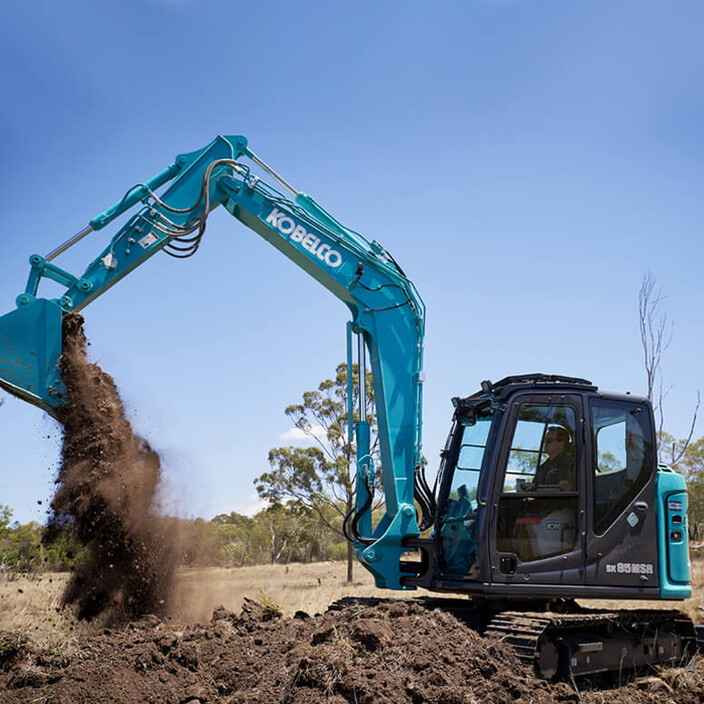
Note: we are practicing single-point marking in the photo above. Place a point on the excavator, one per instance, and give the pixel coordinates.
(548, 489)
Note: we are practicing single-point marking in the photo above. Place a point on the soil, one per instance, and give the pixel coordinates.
(106, 487)
(382, 652)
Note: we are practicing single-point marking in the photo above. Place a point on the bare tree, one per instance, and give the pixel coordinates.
(656, 336)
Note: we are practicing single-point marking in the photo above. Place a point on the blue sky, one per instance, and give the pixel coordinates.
(527, 163)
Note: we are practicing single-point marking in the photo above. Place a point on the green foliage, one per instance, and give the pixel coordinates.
(608, 462)
(308, 478)
(691, 465)
(319, 480)
(688, 460)
(337, 552)
(282, 533)
(20, 545)
(670, 450)
(523, 461)
(271, 611)
(62, 549)
(5, 518)
(24, 547)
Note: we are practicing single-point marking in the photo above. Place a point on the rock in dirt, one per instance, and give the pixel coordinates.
(194, 694)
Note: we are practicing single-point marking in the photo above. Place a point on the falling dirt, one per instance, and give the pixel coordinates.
(107, 485)
(364, 652)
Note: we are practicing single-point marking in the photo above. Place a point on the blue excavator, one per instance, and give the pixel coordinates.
(548, 491)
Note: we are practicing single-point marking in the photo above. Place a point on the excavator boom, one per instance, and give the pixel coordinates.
(387, 312)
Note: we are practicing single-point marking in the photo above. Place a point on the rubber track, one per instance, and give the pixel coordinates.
(523, 630)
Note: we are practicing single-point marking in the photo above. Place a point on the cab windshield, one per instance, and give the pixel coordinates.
(457, 522)
(465, 478)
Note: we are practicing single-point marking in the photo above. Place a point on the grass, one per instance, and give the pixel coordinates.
(296, 587)
(31, 604)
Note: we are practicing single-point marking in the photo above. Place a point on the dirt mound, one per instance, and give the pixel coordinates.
(398, 652)
(107, 484)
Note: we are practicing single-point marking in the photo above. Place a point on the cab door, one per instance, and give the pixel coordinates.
(538, 516)
(622, 524)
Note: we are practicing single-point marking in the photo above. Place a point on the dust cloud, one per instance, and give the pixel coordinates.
(106, 489)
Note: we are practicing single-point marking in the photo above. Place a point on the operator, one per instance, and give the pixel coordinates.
(559, 469)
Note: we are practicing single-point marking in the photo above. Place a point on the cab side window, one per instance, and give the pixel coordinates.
(623, 457)
(538, 513)
(459, 550)
(542, 455)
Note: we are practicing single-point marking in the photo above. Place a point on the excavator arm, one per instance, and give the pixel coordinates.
(387, 312)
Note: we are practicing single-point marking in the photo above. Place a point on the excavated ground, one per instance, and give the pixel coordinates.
(390, 651)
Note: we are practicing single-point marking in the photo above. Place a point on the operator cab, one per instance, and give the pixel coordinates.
(547, 488)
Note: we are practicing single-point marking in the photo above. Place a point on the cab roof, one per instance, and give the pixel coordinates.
(500, 390)
(544, 382)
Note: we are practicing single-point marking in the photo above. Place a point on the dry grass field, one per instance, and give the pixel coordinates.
(305, 587)
(32, 604)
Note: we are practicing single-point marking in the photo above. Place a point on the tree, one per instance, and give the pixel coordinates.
(20, 544)
(320, 478)
(5, 518)
(23, 547)
(691, 464)
(656, 336)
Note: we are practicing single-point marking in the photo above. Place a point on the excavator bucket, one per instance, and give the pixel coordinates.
(30, 347)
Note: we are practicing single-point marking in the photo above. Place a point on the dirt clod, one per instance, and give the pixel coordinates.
(371, 634)
(13, 646)
(195, 693)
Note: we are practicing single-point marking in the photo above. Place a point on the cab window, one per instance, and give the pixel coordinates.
(623, 457)
(538, 513)
(542, 454)
(457, 526)
(469, 461)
